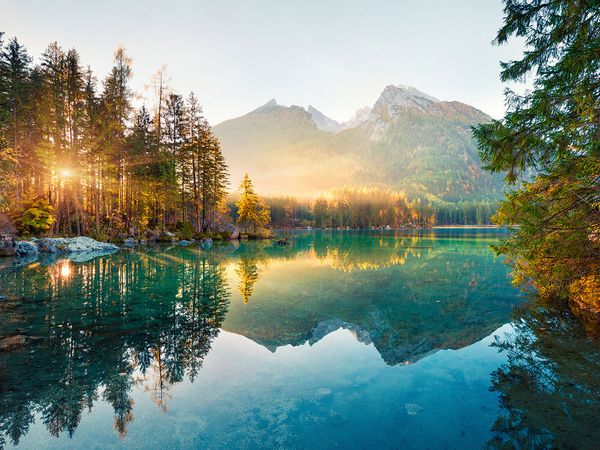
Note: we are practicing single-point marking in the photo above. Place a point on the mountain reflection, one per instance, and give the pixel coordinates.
(144, 320)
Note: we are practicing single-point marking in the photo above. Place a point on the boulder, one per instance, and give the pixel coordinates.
(26, 248)
(166, 236)
(129, 242)
(230, 229)
(7, 245)
(282, 241)
(73, 245)
(184, 242)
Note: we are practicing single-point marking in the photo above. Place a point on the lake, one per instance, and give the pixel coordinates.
(348, 339)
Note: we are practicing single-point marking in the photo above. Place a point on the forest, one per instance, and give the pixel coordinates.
(78, 157)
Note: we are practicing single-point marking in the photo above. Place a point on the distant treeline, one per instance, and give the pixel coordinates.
(373, 207)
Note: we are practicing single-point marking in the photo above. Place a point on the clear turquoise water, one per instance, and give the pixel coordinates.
(341, 339)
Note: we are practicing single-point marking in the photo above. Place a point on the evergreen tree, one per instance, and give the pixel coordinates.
(554, 132)
(251, 210)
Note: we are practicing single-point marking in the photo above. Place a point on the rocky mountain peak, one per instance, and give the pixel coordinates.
(322, 121)
(397, 97)
(267, 106)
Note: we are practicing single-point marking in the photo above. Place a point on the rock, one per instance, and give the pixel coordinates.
(3, 298)
(206, 242)
(283, 242)
(129, 242)
(184, 242)
(12, 342)
(323, 393)
(26, 248)
(7, 245)
(166, 236)
(412, 409)
(230, 229)
(73, 245)
(143, 241)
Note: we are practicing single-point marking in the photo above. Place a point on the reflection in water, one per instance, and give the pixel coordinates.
(550, 386)
(247, 270)
(109, 324)
(134, 326)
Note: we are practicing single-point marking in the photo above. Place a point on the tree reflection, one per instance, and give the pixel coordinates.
(99, 330)
(247, 270)
(550, 386)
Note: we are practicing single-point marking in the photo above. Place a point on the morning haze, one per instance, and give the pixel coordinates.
(236, 55)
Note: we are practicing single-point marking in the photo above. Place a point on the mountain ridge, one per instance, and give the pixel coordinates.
(408, 140)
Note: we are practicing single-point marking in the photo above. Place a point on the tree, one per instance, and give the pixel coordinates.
(553, 131)
(250, 208)
(36, 217)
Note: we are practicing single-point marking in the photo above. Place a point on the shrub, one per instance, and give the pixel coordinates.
(36, 217)
(184, 230)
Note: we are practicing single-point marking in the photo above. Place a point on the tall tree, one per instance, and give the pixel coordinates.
(553, 131)
(251, 210)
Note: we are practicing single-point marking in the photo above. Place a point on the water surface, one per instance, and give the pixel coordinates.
(347, 339)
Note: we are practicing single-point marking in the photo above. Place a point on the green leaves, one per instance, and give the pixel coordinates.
(553, 130)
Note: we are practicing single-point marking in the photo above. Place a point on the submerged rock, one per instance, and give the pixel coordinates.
(323, 393)
(129, 242)
(12, 342)
(184, 242)
(412, 409)
(73, 245)
(206, 242)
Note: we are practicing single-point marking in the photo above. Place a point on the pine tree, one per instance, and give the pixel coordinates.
(251, 210)
(553, 131)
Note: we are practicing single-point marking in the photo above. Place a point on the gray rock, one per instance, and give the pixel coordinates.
(230, 228)
(206, 242)
(73, 245)
(7, 245)
(166, 236)
(184, 242)
(26, 248)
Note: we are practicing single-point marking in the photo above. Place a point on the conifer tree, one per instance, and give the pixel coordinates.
(251, 210)
(554, 132)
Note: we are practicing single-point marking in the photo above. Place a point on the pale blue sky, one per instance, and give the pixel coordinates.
(238, 54)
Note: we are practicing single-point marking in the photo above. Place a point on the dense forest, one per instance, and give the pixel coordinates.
(77, 157)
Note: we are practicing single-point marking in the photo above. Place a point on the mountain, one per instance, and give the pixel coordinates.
(407, 140)
(322, 121)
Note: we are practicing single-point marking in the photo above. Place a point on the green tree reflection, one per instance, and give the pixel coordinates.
(550, 386)
(102, 327)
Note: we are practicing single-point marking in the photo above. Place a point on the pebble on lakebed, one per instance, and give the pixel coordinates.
(412, 409)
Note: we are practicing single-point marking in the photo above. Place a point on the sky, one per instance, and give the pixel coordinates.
(238, 54)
